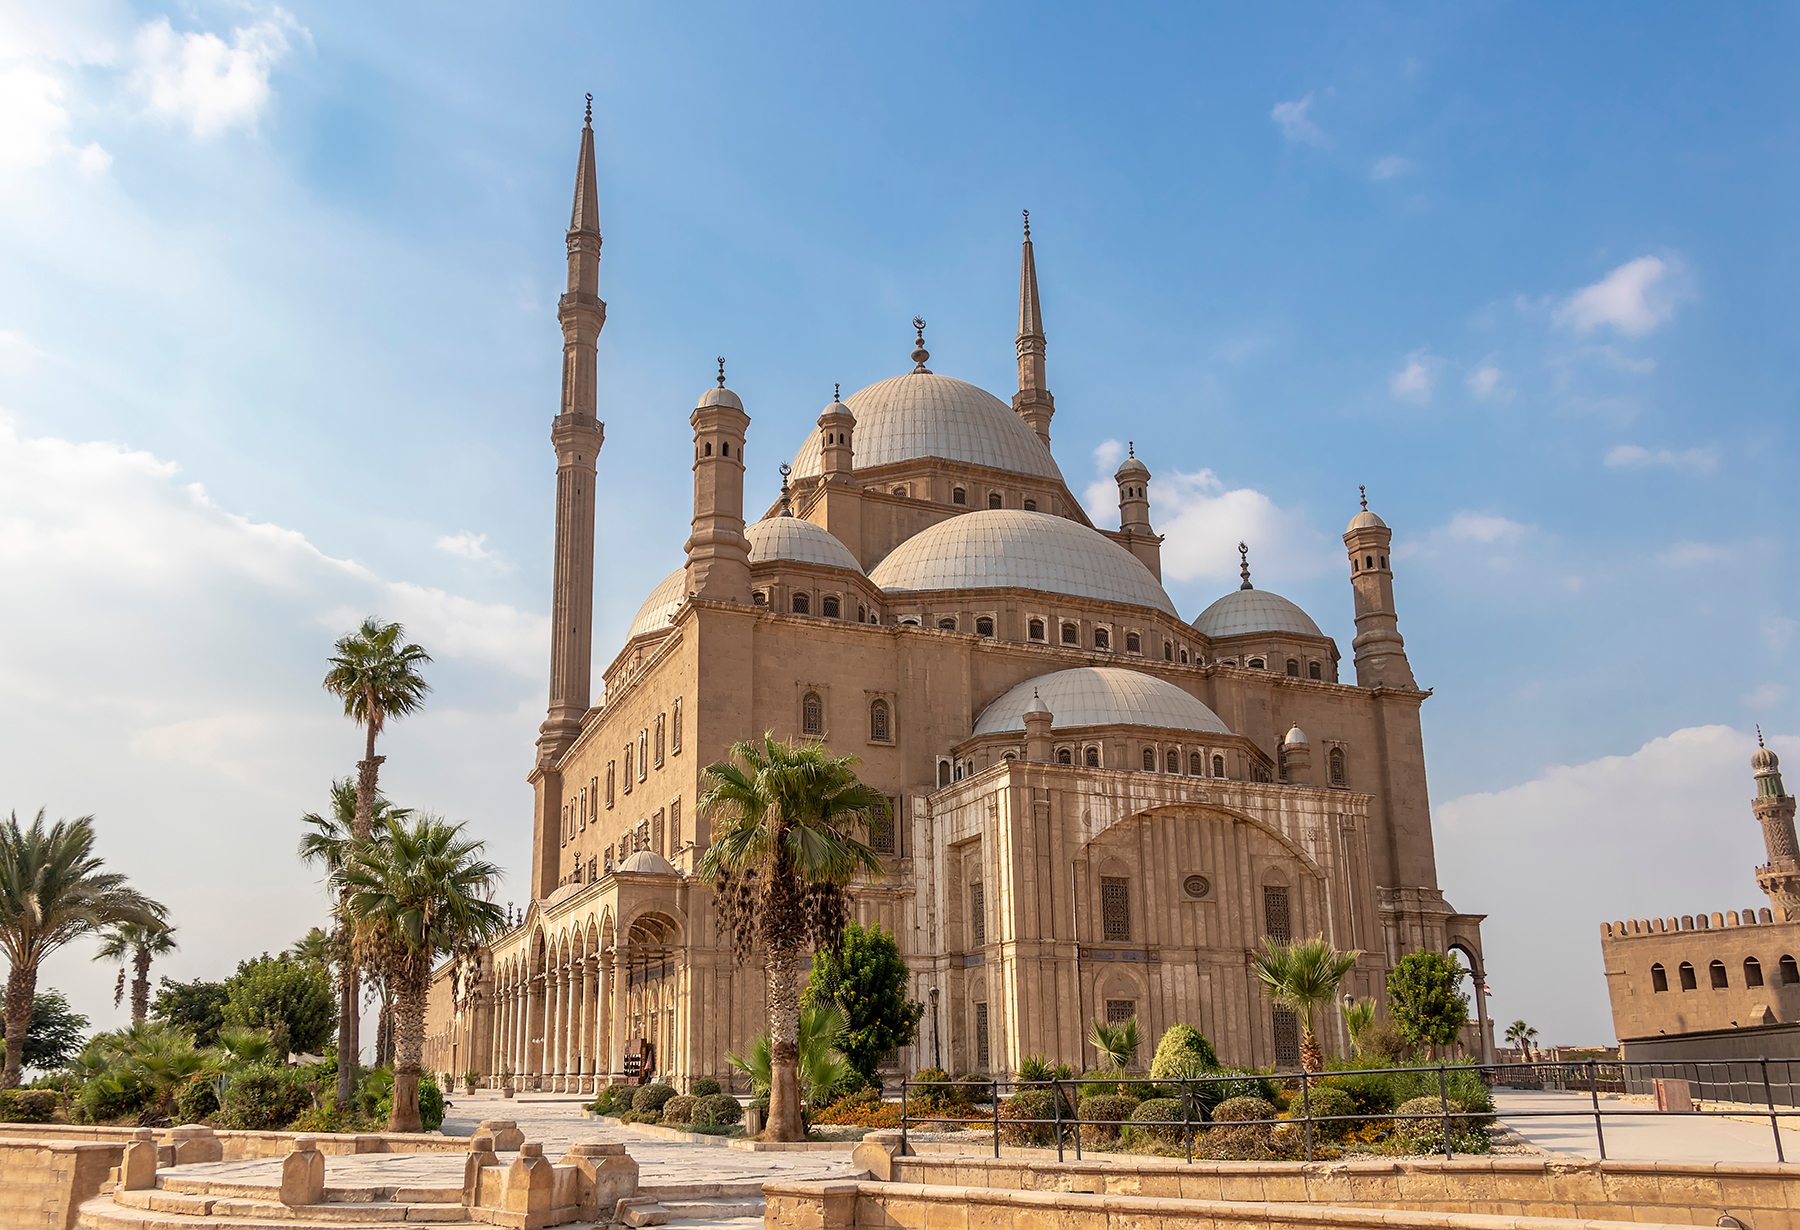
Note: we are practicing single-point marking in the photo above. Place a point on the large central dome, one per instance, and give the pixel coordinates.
(923, 414)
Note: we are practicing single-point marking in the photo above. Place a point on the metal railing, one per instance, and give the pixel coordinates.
(1717, 1081)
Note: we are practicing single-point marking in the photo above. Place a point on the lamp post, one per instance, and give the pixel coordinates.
(937, 1050)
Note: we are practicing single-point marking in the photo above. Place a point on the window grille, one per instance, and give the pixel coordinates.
(1102, 639)
(1278, 923)
(1119, 1011)
(958, 496)
(591, 869)
(831, 608)
(609, 860)
(628, 750)
(977, 916)
(1174, 762)
(643, 761)
(1093, 758)
(611, 775)
(948, 625)
(675, 727)
(675, 825)
(994, 499)
(594, 799)
(656, 834)
(1071, 634)
(1065, 756)
(1287, 1037)
(1150, 759)
(1338, 776)
(1218, 766)
(1133, 644)
(981, 1037)
(661, 730)
(1184, 660)
(1115, 909)
(568, 828)
(802, 605)
(1314, 671)
(1196, 765)
(984, 626)
(1168, 651)
(759, 598)
(1293, 668)
(878, 722)
(812, 715)
(1030, 505)
(643, 836)
(882, 830)
(1036, 631)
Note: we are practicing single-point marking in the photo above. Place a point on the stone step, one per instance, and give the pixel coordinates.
(216, 1189)
(713, 1210)
(103, 1213)
(690, 1192)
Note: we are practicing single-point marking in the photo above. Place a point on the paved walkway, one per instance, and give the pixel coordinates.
(1640, 1137)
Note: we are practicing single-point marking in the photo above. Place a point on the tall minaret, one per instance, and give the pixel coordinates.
(1774, 808)
(1032, 402)
(1380, 651)
(1133, 477)
(718, 554)
(576, 435)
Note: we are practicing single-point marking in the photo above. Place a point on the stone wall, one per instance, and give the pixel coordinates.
(1645, 958)
(43, 1183)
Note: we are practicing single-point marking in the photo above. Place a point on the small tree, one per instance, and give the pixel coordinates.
(197, 1006)
(867, 981)
(1115, 1043)
(281, 996)
(1301, 976)
(134, 945)
(54, 1036)
(1424, 1001)
(1522, 1036)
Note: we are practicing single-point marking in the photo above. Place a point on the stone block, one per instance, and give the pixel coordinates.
(530, 1182)
(1674, 1096)
(137, 1172)
(640, 1211)
(605, 1174)
(480, 1156)
(195, 1143)
(302, 1174)
(876, 1154)
(507, 1136)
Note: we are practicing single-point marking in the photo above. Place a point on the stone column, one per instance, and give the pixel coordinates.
(534, 1031)
(557, 991)
(608, 1050)
(621, 1012)
(578, 1067)
(595, 1047)
(563, 1037)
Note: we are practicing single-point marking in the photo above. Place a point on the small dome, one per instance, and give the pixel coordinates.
(649, 863)
(1254, 610)
(1037, 704)
(1764, 761)
(790, 538)
(1295, 736)
(660, 607)
(1365, 520)
(719, 396)
(1132, 467)
(999, 548)
(922, 414)
(1101, 696)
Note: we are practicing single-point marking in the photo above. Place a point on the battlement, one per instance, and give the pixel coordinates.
(1641, 927)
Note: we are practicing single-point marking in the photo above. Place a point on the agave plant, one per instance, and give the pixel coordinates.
(822, 1066)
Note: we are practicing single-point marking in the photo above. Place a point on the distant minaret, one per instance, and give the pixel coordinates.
(718, 554)
(1032, 402)
(577, 436)
(1380, 651)
(1134, 512)
(1774, 808)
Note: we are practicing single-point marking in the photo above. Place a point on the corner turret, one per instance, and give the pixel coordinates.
(1774, 809)
(718, 554)
(1133, 477)
(1380, 650)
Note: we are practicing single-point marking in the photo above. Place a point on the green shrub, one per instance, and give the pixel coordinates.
(1237, 1110)
(325, 1119)
(719, 1110)
(1039, 1068)
(651, 1097)
(762, 1107)
(1108, 1111)
(1141, 1125)
(646, 1116)
(1427, 1135)
(705, 1087)
(28, 1105)
(263, 1098)
(679, 1109)
(1326, 1102)
(932, 1091)
(1182, 1051)
(111, 1095)
(1462, 1082)
(973, 1089)
(1370, 1093)
(431, 1103)
(197, 1100)
(1028, 1104)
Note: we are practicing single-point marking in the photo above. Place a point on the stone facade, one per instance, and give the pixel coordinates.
(1100, 808)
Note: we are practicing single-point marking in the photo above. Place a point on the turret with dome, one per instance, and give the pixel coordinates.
(1096, 804)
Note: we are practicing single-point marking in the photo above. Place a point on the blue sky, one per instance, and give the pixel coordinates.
(278, 346)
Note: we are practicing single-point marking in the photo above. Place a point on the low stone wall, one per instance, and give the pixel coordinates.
(912, 1206)
(245, 1146)
(42, 1183)
(1695, 1193)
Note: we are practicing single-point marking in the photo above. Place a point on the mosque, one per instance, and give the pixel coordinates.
(1099, 806)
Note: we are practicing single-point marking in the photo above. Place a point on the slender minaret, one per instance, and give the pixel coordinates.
(837, 454)
(1774, 808)
(1032, 402)
(1380, 651)
(1134, 512)
(718, 554)
(838, 506)
(577, 435)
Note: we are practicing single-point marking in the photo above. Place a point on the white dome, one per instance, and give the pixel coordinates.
(1101, 696)
(1365, 520)
(720, 396)
(1254, 610)
(922, 414)
(790, 538)
(1005, 547)
(660, 607)
(648, 862)
(1295, 736)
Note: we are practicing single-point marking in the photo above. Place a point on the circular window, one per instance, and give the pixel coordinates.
(1196, 886)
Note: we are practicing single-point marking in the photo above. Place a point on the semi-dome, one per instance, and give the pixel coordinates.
(660, 607)
(790, 538)
(1254, 610)
(923, 414)
(648, 862)
(1009, 548)
(1100, 696)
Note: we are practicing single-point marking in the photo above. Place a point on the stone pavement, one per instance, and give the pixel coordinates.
(1643, 1137)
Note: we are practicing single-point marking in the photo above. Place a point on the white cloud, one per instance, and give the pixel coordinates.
(1670, 824)
(1636, 457)
(1777, 631)
(1766, 696)
(1484, 381)
(17, 353)
(1690, 554)
(1413, 382)
(1389, 167)
(34, 123)
(1633, 299)
(1483, 528)
(471, 546)
(200, 80)
(1488, 541)
(1295, 125)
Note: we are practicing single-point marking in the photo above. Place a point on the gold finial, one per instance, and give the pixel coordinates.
(1027, 214)
(1364, 491)
(721, 371)
(1244, 566)
(920, 354)
(590, 112)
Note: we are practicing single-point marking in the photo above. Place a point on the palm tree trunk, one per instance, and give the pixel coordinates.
(1312, 1056)
(21, 986)
(409, 1043)
(784, 1048)
(140, 988)
(348, 1043)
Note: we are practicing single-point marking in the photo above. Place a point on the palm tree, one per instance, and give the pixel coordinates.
(1115, 1042)
(1358, 1016)
(52, 891)
(1522, 1036)
(786, 824)
(330, 844)
(136, 944)
(418, 892)
(316, 947)
(1301, 976)
(822, 1067)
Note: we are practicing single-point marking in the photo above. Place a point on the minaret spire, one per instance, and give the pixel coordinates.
(1033, 402)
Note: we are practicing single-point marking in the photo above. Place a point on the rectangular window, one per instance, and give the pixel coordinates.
(1278, 924)
(611, 776)
(884, 830)
(1115, 909)
(565, 824)
(977, 916)
(1119, 1010)
(591, 869)
(675, 826)
(675, 727)
(1287, 1037)
(628, 753)
(659, 740)
(656, 833)
(981, 1037)
(643, 753)
(609, 861)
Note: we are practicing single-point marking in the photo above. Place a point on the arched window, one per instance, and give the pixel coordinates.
(1064, 756)
(802, 604)
(830, 608)
(1071, 634)
(984, 626)
(1752, 972)
(900, 491)
(1133, 644)
(1293, 668)
(1790, 972)
(1168, 651)
(1314, 671)
(1008, 756)
(760, 598)
(994, 500)
(878, 722)
(862, 614)
(725, 449)
(1036, 630)
(1174, 762)
(1196, 765)
(948, 624)
(1659, 978)
(943, 772)
(1030, 505)
(1092, 756)
(1150, 759)
(1719, 980)
(709, 448)
(1337, 767)
(959, 770)
(1102, 639)
(1384, 561)
(1218, 766)
(1256, 664)
(812, 715)
(1184, 660)
(958, 496)
(1368, 561)
(1687, 977)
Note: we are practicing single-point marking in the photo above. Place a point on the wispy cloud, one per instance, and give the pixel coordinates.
(1483, 528)
(1777, 631)
(1637, 457)
(1690, 554)
(473, 547)
(1485, 382)
(210, 85)
(1389, 167)
(1413, 381)
(1633, 299)
(1295, 125)
(1765, 696)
